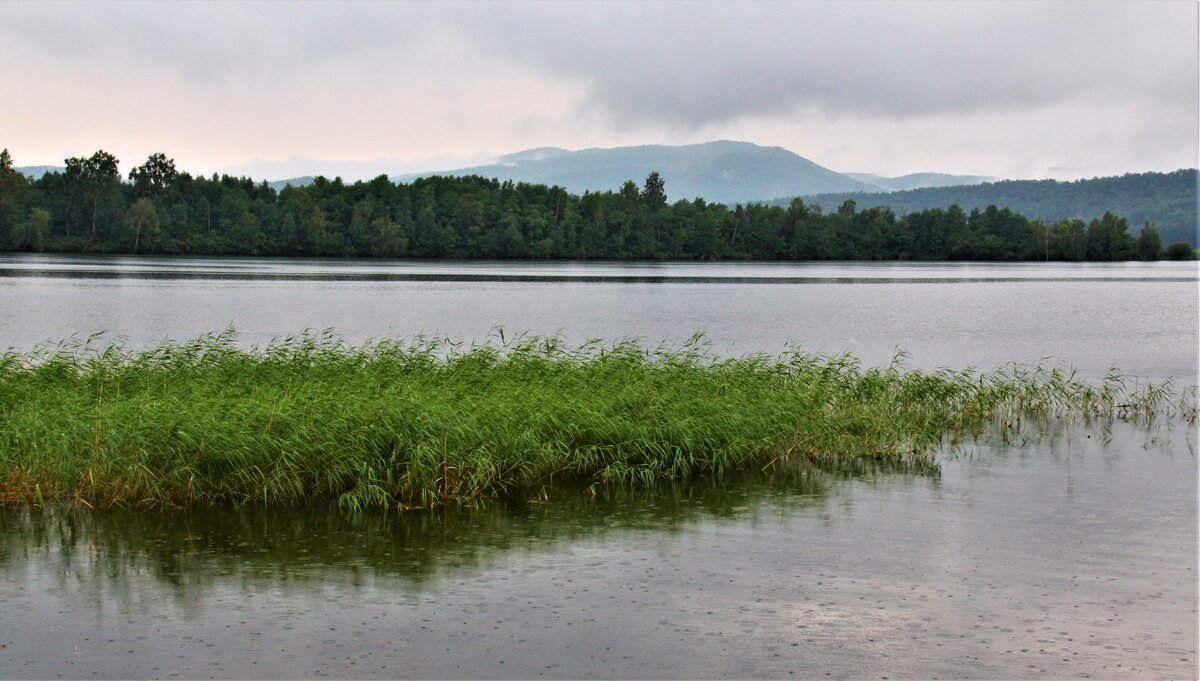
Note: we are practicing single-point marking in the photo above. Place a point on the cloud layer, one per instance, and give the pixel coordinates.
(360, 82)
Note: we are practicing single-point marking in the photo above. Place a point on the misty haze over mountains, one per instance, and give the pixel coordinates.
(719, 172)
(918, 180)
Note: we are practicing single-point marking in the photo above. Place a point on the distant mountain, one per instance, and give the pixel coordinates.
(292, 181)
(918, 180)
(1169, 200)
(538, 154)
(36, 172)
(719, 172)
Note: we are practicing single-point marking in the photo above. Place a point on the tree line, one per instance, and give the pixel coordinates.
(1167, 200)
(90, 207)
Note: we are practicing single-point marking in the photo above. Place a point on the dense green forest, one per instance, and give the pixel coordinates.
(1167, 200)
(90, 207)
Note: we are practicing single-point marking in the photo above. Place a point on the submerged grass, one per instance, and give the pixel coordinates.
(427, 422)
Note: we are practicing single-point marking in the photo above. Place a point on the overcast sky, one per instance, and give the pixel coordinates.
(1008, 89)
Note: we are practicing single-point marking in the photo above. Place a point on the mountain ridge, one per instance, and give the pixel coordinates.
(36, 172)
(1167, 200)
(722, 171)
(719, 171)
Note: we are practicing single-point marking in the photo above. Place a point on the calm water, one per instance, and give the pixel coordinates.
(1141, 318)
(1072, 554)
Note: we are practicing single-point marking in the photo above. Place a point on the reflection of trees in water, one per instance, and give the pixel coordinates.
(115, 554)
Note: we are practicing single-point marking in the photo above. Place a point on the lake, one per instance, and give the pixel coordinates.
(1141, 318)
(1069, 553)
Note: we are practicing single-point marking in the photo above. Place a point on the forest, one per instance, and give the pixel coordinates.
(1167, 200)
(90, 207)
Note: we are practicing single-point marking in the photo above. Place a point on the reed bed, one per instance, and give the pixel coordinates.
(426, 422)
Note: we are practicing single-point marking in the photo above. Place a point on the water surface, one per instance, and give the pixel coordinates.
(1139, 317)
(1072, 554)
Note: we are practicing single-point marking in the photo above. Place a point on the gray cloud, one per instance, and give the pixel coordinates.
(674, 64)
(209, 43)
(677, 64)
(708, 63)
(981, 87)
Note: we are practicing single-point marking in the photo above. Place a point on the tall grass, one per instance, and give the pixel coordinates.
(428, 422)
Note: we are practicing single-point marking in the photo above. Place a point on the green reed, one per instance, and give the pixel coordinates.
(427, 422)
